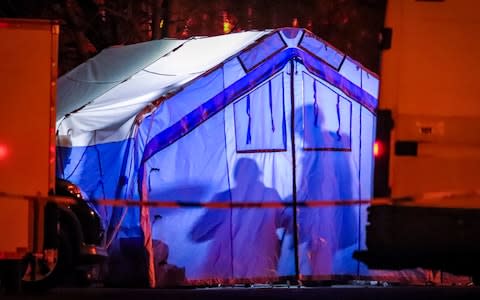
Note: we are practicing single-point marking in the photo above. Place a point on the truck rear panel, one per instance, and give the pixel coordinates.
(28, 74)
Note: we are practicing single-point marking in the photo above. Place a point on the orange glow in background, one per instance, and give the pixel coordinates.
(227, 24)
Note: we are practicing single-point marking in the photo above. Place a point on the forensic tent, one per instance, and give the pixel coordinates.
(249, 153)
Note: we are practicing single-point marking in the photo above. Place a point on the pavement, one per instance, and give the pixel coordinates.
(260, 292)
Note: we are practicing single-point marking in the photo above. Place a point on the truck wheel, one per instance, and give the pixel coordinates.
(49, 271)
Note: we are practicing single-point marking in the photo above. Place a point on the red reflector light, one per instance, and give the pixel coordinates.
(3, 25)
(3, 151)
(377, 149)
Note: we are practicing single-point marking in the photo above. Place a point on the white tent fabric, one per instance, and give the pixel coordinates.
(261, 138)
(122, 96)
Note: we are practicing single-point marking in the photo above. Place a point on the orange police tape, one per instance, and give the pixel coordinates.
(42, 199)
(432, 198)
(160, 203)
(217, 205)
(243, 204)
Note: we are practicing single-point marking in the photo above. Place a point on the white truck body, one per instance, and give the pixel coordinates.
(28, 73)
(430, 83)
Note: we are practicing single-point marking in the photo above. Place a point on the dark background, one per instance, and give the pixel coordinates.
(88, 26)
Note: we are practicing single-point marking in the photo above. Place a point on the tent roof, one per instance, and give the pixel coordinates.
(101, 73)
(95, 79)
(111, 89)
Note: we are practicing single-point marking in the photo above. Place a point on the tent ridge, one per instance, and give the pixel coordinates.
(257, 75)
(321, 69)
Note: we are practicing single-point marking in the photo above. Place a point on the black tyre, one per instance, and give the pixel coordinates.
(52, 269)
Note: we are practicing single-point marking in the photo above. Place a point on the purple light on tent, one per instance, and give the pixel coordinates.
(271, 104)
(249, 134)
(257, 74)
(315, 103)
(339, 136)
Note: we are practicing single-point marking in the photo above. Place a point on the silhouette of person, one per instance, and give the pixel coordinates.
(325, 174)
(243, 241)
